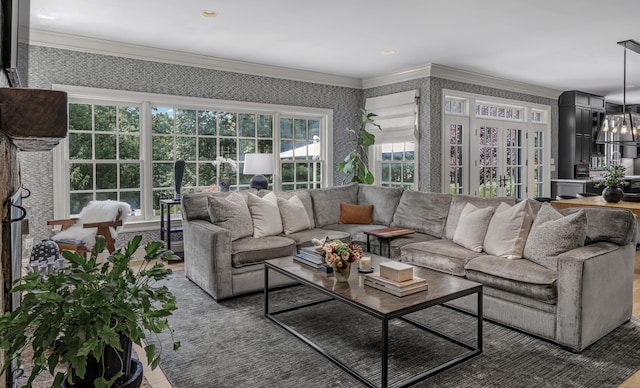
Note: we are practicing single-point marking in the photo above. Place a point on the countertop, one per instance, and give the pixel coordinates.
(626, 177)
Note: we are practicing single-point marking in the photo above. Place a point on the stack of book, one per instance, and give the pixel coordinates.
(309, 256)
(396, 288)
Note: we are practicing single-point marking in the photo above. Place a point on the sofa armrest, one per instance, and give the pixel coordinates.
(595, 292)
(207, 257)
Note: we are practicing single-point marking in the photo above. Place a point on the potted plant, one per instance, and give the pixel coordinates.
(356, 162)
(612, 180)
(85, 316)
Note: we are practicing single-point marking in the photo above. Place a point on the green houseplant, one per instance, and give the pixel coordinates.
(73, 317)
(612, 181)
(356, 162)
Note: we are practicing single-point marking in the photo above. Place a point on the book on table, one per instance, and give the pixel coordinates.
(392, 284)
(301, 259)
(311, 255)
(393, 291)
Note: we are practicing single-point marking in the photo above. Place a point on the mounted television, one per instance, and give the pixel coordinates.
(15, 41)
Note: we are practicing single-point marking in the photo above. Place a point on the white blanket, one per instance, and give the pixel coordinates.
(95, 211)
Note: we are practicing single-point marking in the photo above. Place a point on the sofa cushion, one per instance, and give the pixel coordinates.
(552, 234)
(326, 202)
(520, 276)
(249, 250)
(293, 214)
(231, 212)
(422, 212)
(384, 201)
(305, 198)
(508, 230)
(472, 227)
(612, 225)
(440, 255)
(356, 214)
(265, 215)
(458, 203)
(356, 231)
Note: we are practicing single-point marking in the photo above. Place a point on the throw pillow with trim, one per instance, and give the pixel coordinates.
(508, 230)
(552, 234)
(231, 212)
(294, 215)
(356, 214)
(265, 215)
(472, 227)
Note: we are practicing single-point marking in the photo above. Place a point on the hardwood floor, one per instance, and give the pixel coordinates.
(157, 379)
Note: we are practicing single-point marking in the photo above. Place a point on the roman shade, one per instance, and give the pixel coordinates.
(397, 115)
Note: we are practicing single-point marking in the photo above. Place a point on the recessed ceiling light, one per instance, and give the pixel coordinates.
(209, 13)
(388, 52)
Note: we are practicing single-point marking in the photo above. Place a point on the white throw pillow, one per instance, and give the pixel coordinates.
(508, 230)
(265, 215)
(294, 215)
(472, 227)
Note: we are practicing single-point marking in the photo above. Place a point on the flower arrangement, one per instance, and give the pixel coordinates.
(222, 162)
(338, 254)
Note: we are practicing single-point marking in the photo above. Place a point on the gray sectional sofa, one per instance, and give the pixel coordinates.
(570, 280)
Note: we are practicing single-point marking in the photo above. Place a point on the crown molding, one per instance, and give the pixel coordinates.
(453, 74)
(105, 47)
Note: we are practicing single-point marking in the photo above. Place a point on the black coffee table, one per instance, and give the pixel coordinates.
(381, 305)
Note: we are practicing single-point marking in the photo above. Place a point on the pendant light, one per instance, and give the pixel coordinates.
(621, 128)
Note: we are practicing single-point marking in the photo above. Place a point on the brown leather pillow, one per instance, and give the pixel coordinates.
(356, 214)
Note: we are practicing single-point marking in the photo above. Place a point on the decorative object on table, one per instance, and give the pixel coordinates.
(612, 180)
(224, 167)
(93, 343)
(356, 163)
(364, 265)
(178, 173)
(396, 271)
(258, 164)
(340, 256)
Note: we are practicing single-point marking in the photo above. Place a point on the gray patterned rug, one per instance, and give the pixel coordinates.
(232, 344)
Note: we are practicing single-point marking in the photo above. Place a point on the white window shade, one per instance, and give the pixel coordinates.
(397, 115)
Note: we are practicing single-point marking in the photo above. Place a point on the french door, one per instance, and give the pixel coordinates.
(501, 159)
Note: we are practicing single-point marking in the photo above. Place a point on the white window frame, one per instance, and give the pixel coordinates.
(78, 94)
(470, 178)
(375, 165)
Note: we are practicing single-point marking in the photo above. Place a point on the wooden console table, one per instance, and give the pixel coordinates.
(598, 201)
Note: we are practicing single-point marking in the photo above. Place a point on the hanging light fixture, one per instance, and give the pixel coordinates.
(621, 128)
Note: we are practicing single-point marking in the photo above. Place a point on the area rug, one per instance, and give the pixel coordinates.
(232, 344)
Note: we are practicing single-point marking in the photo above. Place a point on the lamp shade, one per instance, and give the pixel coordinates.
(258, 164)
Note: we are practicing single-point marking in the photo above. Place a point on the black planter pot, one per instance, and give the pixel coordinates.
(113, 361)
(612, 194)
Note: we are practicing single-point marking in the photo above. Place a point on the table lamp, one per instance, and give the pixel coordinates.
(258, 164)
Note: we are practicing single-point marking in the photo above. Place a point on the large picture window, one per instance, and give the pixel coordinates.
(124, 146)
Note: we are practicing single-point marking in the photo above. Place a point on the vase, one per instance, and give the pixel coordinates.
(342, 273)
(612, 194)
(223, 184)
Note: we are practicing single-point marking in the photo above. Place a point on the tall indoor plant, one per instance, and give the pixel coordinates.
(73, 317)
(612, 181)
(356, 162)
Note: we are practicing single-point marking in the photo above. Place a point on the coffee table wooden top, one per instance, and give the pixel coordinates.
(389, 232)
(441, 287)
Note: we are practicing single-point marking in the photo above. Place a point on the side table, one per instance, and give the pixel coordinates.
(386, 234)
(165, 220)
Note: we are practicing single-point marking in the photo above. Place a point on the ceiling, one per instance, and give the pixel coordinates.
(563, 45)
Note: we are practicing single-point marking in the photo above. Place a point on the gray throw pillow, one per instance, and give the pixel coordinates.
(231, 213)
(552, 234)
